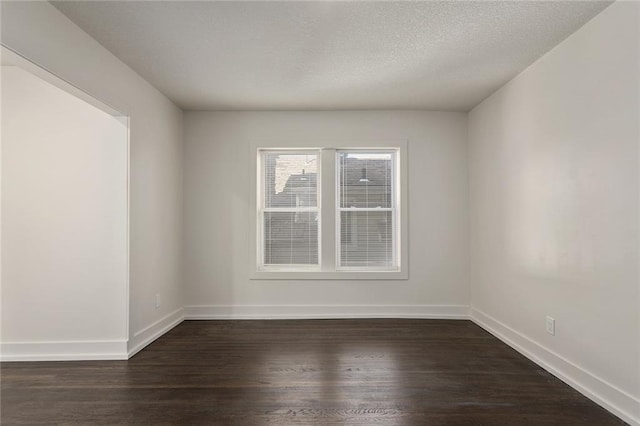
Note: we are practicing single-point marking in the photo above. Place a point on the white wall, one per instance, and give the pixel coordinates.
(218, 213)
(64, 210)
(554, 209)
(553, 190)
(41, 33)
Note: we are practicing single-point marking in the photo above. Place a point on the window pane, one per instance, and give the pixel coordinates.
(365, 179)
(290, 238)
(290, 180)
(366, 239)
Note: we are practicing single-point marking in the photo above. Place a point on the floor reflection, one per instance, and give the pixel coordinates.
(329, 372)
(332, 382)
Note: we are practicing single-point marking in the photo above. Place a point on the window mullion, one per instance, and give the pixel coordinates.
(327, 191)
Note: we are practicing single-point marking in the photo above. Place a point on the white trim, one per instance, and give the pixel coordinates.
(10, 57)
(127, 296)
(152, 332)
(64, 350)
(341, 274)
(397, 183)
(328, 221)
(363, 209)
(90, 350)
(327, 233)
(213, 312)
(262, 209)
(612, 398)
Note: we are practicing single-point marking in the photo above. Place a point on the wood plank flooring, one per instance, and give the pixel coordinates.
(302, 372)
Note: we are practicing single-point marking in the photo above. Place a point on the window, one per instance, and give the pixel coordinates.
(366, 210)
(330, 212)
(290, 212)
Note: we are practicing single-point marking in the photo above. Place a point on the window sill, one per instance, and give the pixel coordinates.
(329, 275)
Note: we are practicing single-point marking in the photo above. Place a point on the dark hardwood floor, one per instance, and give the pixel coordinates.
(305, 372)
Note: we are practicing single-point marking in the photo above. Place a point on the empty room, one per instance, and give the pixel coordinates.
(320, 212)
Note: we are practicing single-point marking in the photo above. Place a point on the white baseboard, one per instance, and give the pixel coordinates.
(150, 333)
(64, 350)
(220, 312)
(617, 401)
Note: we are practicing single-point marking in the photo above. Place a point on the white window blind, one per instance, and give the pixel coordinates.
(367, 208)
(289, 209)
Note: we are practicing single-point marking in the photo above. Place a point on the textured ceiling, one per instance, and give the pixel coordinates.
(329, 55)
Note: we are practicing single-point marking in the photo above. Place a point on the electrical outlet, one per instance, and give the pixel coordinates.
(551, 326)
(157, 300)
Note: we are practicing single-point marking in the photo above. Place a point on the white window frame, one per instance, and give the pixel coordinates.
(394, 210)
(262, 209)
(328, 212)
